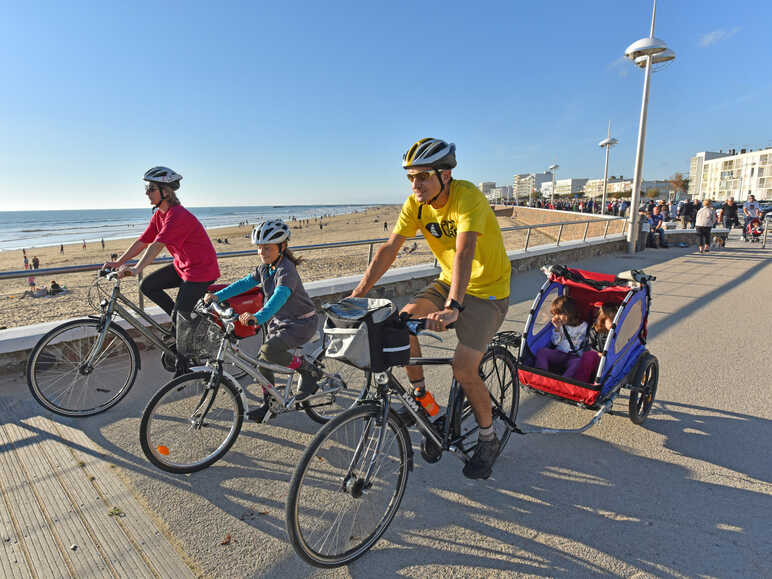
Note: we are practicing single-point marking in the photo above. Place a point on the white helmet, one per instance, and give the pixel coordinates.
(271, 231)
(164, 176)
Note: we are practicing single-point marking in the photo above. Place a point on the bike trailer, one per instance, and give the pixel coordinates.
(251, 301)
(366, 333)
(625, 343)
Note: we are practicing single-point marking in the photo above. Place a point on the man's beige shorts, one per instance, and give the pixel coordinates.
(479, 321)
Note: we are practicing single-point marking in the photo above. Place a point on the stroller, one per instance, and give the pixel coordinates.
(625, 361)
(754, 230)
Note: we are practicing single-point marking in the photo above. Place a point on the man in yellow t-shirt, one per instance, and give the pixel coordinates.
(473, 288)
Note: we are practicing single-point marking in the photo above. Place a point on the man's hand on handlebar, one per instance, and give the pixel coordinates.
(439, 321)
(209, 298)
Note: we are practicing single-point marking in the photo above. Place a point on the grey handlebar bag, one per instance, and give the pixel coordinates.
(366, 333)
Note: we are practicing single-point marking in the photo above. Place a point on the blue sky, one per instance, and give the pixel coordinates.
(309, 102)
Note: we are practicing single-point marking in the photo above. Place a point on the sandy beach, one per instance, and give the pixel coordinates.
(16, 310)
(320, 264)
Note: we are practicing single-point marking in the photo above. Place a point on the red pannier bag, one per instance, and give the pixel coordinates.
(251, 301)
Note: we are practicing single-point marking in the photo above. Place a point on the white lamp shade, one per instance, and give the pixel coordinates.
(553, 167)
(608, 142)
(645, 47)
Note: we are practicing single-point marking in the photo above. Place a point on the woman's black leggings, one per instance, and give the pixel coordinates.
(703, 236)
(167, 277)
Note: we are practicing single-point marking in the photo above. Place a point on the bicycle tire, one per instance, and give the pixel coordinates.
(59, 354)
(498, 370)
(348, 397)
(338, 433)
(163, 436)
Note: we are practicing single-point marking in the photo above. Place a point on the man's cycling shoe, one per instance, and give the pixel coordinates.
(258, 414)
(404, 415)
(481, 463)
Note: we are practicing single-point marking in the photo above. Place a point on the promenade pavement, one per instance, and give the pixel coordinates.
(687, 494)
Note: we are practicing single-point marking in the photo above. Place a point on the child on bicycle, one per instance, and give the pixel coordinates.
(289, 313)
(568, 337)
(596, 341)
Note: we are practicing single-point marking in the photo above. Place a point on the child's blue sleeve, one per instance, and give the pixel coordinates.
(280, 296)
(246, 283)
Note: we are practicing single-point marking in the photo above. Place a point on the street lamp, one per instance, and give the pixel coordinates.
(644, 53)
(608, 142)
(554, 170)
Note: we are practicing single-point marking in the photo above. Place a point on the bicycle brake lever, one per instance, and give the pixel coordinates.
(430, 334)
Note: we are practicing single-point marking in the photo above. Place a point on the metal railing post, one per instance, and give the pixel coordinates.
(586, 229)
(527, 238)
(560, 234)
(370, 255)
(141, 299)
(605, 231)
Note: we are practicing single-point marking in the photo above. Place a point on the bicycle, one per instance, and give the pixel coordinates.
(350, 481)
(192, 421)
(86, 366)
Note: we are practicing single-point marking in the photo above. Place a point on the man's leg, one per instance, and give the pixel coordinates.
(418, 308)
(466, 370)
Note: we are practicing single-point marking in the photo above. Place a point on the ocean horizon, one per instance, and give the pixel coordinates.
(28, 229)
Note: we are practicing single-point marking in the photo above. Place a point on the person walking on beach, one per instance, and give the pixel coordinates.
(461, 229)
(35, 262)
(84, 245)
(61, 248)
(103, 242)
(175, 228)
(26, 262)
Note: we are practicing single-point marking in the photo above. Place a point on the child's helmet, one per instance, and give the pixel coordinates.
(271, 231)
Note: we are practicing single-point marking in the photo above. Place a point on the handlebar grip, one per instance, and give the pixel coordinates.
(252, 323)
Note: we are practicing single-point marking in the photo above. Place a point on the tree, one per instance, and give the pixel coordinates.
(652, 193)
(679, 183)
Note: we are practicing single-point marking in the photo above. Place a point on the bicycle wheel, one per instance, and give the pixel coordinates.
(190, 423)
(333, 515)
(498, 370)
(644, 388)
(60, 380)
(356, 385)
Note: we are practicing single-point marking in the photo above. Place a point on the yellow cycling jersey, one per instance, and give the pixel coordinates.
(467, 209)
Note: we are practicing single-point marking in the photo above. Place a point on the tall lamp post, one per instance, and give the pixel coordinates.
(608, 142)
(643, 53)
(554, 170)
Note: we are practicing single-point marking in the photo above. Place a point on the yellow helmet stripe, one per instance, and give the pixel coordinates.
(411, 153)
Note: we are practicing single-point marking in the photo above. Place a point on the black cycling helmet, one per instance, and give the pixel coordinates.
(429, 152)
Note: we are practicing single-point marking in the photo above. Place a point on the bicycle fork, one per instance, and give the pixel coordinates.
(355, 485)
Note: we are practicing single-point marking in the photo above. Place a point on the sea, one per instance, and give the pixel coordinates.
(27, 229)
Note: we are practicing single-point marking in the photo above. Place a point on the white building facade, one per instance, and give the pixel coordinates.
(526, 185)
(718, 176)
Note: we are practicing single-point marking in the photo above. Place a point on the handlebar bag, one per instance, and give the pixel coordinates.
(197, 337)
(366, 333)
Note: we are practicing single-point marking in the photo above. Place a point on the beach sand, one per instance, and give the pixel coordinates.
(318, 264)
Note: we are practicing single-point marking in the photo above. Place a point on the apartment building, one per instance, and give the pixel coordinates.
(734, 173)
(526, 185)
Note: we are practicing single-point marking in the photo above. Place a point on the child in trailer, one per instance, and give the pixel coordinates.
(289, 313)
(596, 341)
(568, 338)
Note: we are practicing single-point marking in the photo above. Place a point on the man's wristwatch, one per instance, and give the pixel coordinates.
(454, 305)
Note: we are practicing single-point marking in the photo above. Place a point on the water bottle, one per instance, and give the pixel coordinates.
(425, 398)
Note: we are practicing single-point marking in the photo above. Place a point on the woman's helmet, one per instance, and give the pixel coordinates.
(434, 153)
(271, 231)
(163, 176)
